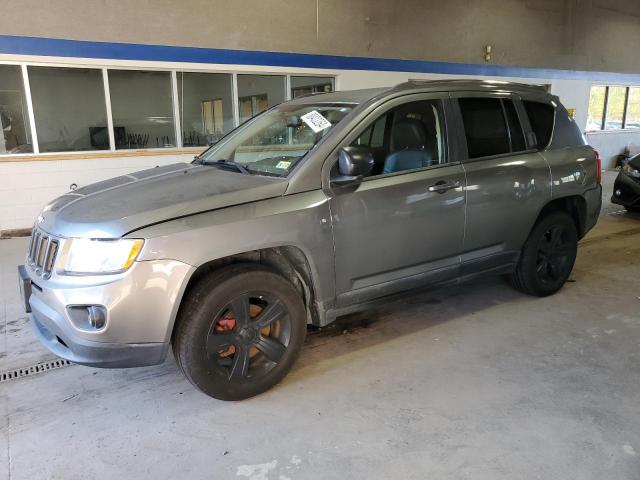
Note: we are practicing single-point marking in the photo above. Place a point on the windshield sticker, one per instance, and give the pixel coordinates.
(315, 121)
(283, 164)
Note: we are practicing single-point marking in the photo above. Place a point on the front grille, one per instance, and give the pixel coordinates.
(42, 252)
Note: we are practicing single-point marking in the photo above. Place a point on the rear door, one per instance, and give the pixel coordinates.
(403, 228)
(508, 182)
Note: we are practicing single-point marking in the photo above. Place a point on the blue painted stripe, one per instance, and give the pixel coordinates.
(22, 45)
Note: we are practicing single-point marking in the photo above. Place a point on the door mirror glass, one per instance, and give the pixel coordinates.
(353, 164)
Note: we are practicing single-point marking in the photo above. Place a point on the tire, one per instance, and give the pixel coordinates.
(547, 256)
(239, 331)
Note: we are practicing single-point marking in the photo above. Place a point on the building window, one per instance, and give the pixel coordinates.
(595, 117)
(301, 86)
(257, 93)
(69, 109)
(206, 107)
(99, 108)
(613, 108)
(15, 131)
(142, 108)
(632, 119)
(616, 102)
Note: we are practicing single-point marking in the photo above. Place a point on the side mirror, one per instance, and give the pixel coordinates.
(353, 164)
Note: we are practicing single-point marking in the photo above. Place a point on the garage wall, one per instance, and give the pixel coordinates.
(570, 34)
(581, 38)
(27, 186)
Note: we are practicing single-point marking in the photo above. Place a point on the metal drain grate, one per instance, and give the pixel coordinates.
(33, 370)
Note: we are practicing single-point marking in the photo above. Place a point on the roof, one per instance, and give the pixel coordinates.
(344, 96)
(361, 96)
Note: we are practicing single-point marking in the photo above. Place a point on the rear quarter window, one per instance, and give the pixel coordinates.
(541, 117)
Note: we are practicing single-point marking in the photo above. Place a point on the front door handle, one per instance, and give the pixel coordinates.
(442, 186)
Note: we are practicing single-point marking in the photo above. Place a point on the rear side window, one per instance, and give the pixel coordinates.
(541, 117)
(484, 126)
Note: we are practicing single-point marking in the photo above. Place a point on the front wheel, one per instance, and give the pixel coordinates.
(548, 256)
(239, 332)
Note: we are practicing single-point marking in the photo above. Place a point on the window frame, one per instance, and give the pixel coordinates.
(605, 110)
(452, 153)
(173, 71)
(522, 117)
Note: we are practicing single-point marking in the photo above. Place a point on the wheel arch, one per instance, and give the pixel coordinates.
(574, 205)
(287, 260)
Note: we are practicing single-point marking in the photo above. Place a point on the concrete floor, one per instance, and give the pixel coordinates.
(476, 382)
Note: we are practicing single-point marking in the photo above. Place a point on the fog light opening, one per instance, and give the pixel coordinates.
(96, 317)
(88, 317)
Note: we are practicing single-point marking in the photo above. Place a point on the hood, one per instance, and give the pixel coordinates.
(114, 207)
(635, 162)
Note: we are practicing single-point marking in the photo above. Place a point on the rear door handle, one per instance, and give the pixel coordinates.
(442, 186)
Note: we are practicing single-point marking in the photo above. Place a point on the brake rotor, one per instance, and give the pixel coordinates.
(227, 323)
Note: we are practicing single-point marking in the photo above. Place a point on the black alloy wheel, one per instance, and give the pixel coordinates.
(556, 248)
(548, 255)
(239, 331)
(249, 336)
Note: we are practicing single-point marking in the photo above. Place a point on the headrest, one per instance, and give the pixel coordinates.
(408, 134)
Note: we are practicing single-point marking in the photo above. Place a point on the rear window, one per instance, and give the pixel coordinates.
(541, 117)
(485, 126)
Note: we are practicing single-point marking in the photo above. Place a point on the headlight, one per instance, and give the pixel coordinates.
(94, 256)
(632, 172)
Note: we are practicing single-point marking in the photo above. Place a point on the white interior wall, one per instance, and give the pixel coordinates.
(26, 187)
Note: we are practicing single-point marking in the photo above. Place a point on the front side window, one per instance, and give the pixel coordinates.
(69, 109)
(272, 143)
(408, 137)
(15, 133)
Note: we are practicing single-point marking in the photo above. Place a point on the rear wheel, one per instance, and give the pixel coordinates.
(239, 332)
(548, 256)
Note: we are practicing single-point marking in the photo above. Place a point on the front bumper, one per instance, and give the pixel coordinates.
(629, 191)
(140, 304)
(95, 354)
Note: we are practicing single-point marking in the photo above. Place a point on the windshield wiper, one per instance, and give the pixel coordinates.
(225, 164)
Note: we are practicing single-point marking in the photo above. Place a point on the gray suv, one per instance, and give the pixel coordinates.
(313, 209)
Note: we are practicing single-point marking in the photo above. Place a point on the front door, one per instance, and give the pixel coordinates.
(403, 226)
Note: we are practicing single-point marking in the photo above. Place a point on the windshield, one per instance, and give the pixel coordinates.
(273, 142)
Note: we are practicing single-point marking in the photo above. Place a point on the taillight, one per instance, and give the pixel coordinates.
(598, 167)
